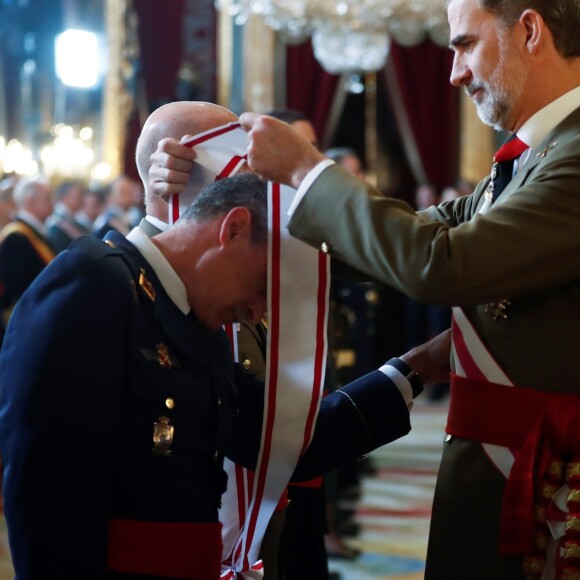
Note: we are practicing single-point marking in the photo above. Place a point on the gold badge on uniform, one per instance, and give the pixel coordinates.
(146, 285)
(498, 309)
(545, 150)
(163, 433)
(164, 358)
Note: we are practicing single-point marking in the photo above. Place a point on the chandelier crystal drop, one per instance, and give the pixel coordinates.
(348, 35)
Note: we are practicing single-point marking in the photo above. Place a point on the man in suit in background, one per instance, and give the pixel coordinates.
(120, 200)
(62, 225)
(24, 247)
(7, 207)
(510, 265)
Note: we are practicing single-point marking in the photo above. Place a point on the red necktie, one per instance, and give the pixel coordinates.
(511, 149)
(503, 164)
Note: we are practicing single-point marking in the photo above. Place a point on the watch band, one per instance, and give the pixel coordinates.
(409, 373)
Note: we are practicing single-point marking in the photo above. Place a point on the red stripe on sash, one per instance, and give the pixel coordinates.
(274, 332)
(175, 207)
(231, 165)
(319, 360)
(211, 134)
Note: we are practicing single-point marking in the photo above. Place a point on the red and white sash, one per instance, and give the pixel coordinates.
(221, 152)
(474, 361)
(298, 286)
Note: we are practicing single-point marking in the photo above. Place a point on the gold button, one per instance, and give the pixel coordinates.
(110, 244)
(247, 364)
(372, 297)
(169, 403)
(324, 247)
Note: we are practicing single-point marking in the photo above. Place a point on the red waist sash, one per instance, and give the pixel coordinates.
(178, 550)
(539, 427)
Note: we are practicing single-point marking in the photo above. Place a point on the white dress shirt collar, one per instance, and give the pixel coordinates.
(169, 279)
(159, 224)
(535, 129)
(62, 210)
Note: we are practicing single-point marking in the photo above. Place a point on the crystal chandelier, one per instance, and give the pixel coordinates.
(348, 35)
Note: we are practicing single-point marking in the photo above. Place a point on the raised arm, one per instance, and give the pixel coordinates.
(276, 151)
(170, 169)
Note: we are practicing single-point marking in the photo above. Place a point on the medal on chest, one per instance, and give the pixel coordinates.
(498, 310)
(163, 433)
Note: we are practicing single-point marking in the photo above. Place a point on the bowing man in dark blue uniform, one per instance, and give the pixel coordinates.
(118, 402)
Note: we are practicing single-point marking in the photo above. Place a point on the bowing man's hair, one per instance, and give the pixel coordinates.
(220, 197)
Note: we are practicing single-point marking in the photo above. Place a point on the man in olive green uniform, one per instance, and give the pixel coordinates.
(509, 264)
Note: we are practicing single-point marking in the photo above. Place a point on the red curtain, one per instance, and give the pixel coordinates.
(309, 88)
(432, 107)
(431, 103)
(161, 47)
(160, 57)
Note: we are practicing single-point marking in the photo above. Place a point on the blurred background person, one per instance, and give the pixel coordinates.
(349, 159)
(449, 193)
(92, 207)
(63, 226)
(299, 121)
(7, 206)
(426, 195)
(459, 189)
(137, 210)
(119, 202)
(24, 246)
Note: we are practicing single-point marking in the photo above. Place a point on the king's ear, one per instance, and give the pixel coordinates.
(535, 30)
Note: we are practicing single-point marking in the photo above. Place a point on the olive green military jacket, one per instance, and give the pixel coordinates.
(525, 249)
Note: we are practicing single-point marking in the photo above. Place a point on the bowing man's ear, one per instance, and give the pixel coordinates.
(236, 225)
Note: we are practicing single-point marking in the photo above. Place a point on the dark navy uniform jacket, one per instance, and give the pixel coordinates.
(95, 354)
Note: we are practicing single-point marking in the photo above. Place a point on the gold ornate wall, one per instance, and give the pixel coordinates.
(123, 48)
(258, 62)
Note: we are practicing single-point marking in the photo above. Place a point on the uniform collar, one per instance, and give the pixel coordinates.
(185, 331)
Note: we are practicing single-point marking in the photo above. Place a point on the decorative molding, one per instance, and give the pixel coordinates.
(259, 59)
(118, 100)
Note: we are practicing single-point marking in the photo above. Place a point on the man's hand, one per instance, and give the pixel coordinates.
(431, 360)
(276, 151)
(170, 168)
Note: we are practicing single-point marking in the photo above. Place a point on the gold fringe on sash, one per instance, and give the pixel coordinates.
(42, 248)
